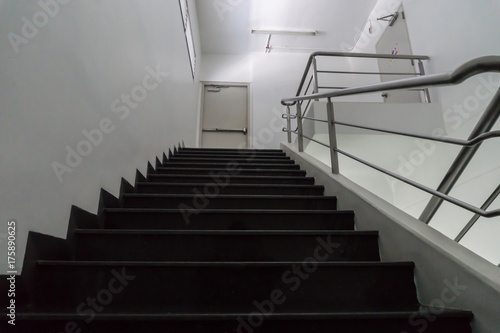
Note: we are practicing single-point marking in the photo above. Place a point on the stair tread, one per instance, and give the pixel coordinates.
(235, 177)
(27, 315)
(230, 149)
(301, 186)
(230, 196)
(221, 264)
(227, 211)
(226, 170)
(228, 232)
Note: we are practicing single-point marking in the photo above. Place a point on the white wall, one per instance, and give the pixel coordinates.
(63, 80)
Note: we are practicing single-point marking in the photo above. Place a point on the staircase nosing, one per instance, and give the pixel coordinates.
(229, 211)
(228, 232)
(447, 313)
(403, 264)
(231, 196)
(300, 186)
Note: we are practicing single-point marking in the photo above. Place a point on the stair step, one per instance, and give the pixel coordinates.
(234, 166)
(455, 321)
(174, 219)
(228, 157)
(230, 150)
(234, 172)
(414, 321)
(225, 178)
(218, 245)
(234, 160)
(183, 188)
(209, 201)
(230, 287)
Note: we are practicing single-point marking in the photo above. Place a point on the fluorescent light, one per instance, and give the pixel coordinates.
(284, 32)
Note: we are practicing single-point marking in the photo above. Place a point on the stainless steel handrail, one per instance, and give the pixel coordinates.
(313, 56)
(467, 70)
(481, 132)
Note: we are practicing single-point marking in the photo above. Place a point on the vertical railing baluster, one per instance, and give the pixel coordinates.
(421, 69)
(288, 124)
(315, 76)
(300, 138)
(332, 134)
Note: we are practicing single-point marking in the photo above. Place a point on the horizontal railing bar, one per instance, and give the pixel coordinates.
(318, 142)
(459, 142)
(332, 87)
(349, 55)
(368, 55)
(315, 119)
(476, 217)
(367, 73)
(469, 69)
(429, 190)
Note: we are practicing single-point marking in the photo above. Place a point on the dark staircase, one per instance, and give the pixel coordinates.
(219, 240)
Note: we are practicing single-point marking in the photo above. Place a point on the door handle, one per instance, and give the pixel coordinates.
(244, 130)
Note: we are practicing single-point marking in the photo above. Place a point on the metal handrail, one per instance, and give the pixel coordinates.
(481, 132)
(313, 56)
(459, 142)
(467, 70)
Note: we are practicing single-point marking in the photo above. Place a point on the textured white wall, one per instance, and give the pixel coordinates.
(67, 71)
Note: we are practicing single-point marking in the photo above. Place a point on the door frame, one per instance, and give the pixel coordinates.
(249, 107)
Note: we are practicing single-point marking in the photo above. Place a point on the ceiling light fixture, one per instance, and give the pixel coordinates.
(271, 32)
(283, 32)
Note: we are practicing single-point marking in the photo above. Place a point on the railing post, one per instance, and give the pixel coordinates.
(288, 124)
(421, 69)
(300, 138)
(315, 77)
(332, 134)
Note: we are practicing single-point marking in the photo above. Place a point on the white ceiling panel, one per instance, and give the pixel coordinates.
(225, 24)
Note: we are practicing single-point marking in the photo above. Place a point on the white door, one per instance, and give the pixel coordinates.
(225, 117)
(396, 38)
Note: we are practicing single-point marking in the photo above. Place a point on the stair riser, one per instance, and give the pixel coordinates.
(222, 247)
(233, 221)
(229, 289)
(230, 180)
(218, 202)
(230, 151)
(257, 323)
(240, 190)
(239, 172)
(224, 165)
(231, 156)
(249, 160)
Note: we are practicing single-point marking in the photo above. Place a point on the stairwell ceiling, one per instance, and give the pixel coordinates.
(225, 24)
